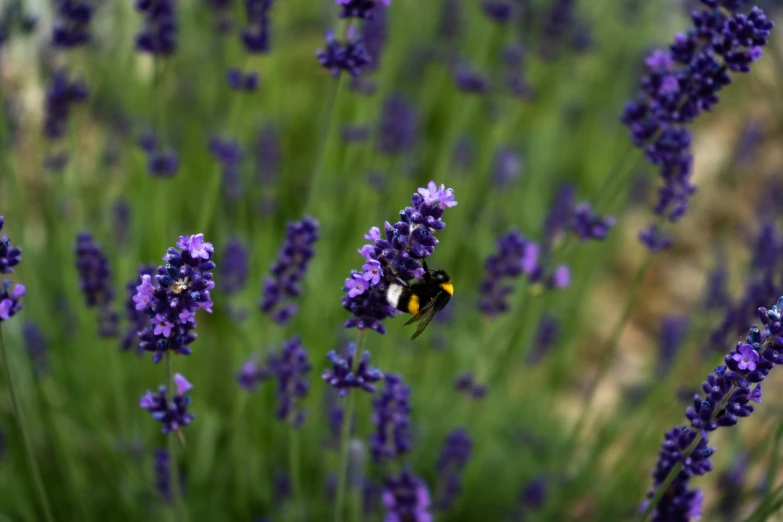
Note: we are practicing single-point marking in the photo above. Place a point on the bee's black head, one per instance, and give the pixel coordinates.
(440, 276)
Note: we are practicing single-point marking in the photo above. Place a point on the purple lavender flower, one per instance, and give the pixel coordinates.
(512, 259)
(255, 36)
(137, 319)
(94, 281)
(470, 81)
(364, 9)
(229, 156)
(121, 213)
(589, 225)
(10, 256)
(398, 127)
(172, 414)
(516, 80)
(558, 22)
(267, 156)
(36, 347)
(181, 288)
(222, 11)
(282, 288)
(355, 133)
(162, 469)
(233, 269)
(655, 239)
(406, 498)
(681, 83)
(727, 393)
(61, 94)
(350, 56)
(716, 295)
(251, 375)
(534, 493)
(161, 161)
(507, 167)
(72, 28)
(453, 459)
(242, 82)
(673, 330)
(499, 12)
(158, 35)
(546, 338)
(290, 367)
(391, 416)
(343, 377)
(407, 242)
(466, 384)
(375, 34)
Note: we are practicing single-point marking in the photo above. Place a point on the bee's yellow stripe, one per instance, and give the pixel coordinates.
(448, 288)
(413, 304)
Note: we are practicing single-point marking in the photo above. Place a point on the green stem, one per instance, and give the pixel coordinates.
(345, 436)
(611, 349)
(325, 139)
(685, 454)
(293, 463)
(176, 498)
(27, 440)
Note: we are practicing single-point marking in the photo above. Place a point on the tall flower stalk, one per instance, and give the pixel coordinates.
(10, 305)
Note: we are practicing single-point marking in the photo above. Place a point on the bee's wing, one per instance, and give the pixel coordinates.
(424, 311)
(425, 318)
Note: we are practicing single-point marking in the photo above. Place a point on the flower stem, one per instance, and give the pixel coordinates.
(293, 463)
(345, 435)
(685, 454)
(25, 431)
(611, 349)
(176, 497)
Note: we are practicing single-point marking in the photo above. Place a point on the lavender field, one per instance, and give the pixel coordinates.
(219, 215)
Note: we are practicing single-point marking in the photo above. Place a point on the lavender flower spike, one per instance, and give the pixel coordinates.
(407, 243)
(406, 498)
(173, 296)
(350, 56)
(172, 414)
(359, 8)
(453, 459)
(391, 416)
(94, 276)
(292, 261)
(343, 377)
(726, 399)
(290, 367)
(10, 256)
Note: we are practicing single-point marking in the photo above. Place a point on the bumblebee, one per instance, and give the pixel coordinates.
(422, 299)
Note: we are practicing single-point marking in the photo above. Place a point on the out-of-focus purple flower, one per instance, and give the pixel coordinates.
(391, 416)
(406, 243)
(406, 498)
(181, 288)
(158, 35)
(350, 56)
(507, 167)
(534, 494)
(290, 367)
(162, 469)
(558, 23)
(747, 143)
(355, 133)
(267, 155)
(466, 384)
(10, 299)
(233, 269)
(497, 11)
(727, 393)
(242, 81)
(343, 377)
(364, 9)
(61, 94)
(222, 11)
(546, 338)
(229, 156)
(173, 414)
(453, 459)
(450, 20)
(655, 239)
(95, 283)
(464, 154)
(282, 288)
(255, 36)
(502, 267)
(469, 80)
(681, 83)
(398, 127)
(121, 213)
(375, 34)
(72, 26)
(251, 374)
(161, 161)
(10, 256)
(137, 319)
(716, 294)
(589, 225)
(36, 347)
(672, 335)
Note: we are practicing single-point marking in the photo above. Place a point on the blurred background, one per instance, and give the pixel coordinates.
(515, 105)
